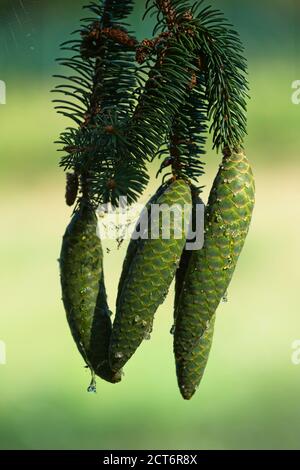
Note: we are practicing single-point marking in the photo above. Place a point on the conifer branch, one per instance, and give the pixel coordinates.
(192, 72)
(222, 99)
(104, 85)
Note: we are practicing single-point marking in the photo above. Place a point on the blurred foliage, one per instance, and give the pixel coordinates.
(30, 31)
(249, 396)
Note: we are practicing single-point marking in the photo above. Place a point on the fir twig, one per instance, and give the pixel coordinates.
(192, 72)
(103, 84)
(221, 52)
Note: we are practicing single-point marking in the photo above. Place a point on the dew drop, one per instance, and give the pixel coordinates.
(92, 388)
(164, 296)
(225, 297)
(172, 330)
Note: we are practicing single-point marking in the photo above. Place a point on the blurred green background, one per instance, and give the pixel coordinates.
(249, 398)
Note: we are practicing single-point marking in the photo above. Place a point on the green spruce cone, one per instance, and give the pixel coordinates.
(186, 254)
(134, 244)
(83, 291)
(150, 274)
(194, 368)
(209, 271)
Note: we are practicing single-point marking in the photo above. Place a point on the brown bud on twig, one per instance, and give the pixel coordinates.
(110, 129)
(169, 12)
(187, 15)
(193, 82)
(144, 50)
(111, 184)
(119, 36)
